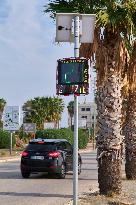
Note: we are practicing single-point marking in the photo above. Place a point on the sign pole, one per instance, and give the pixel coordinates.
(63, 34)
(75, 149)
(11, 134)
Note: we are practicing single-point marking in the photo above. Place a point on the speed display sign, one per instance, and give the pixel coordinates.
(72, 76)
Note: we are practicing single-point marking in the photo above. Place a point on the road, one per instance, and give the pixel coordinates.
(39, 189)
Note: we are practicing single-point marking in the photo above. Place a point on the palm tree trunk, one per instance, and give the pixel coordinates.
(109, 175)
(109, 141)
(130, 136)
(110, 62)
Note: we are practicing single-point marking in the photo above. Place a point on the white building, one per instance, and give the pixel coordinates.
(87, 114)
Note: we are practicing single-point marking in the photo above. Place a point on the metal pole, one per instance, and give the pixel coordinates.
(11, 143)
(75, 150)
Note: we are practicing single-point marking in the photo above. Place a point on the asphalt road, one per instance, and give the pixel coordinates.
(39, 189)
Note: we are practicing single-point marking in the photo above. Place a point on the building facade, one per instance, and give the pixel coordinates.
(87, 115)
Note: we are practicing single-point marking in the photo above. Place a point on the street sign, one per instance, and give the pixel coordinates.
(49, 125)
(11, 119)
(29, 127)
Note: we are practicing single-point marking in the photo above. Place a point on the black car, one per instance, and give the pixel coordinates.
(48, 155)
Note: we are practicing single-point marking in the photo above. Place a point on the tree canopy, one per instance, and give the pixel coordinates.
(119, 16)
(43, 109)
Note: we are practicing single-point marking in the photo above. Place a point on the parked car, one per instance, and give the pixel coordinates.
(48, 155)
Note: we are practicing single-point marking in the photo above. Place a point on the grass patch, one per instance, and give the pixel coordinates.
(6, 153)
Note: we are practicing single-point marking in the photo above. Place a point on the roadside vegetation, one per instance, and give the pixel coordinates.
(39, 111)
(66, 133)
(20, 141)
(43, 109)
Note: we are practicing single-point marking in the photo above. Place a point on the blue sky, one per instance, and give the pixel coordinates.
(28, 53)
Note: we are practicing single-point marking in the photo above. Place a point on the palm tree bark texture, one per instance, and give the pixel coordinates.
(130, 137)
(130, 126)
(110, 63)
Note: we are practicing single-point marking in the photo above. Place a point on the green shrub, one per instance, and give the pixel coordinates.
(83, 138)
(65, 133)
(5, 140)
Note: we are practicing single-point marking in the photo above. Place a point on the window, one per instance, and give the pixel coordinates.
(88, 109)
(92, 124)
(48, 146)
(82, 109)
(93, 117)
(84, 117)
(61, 146)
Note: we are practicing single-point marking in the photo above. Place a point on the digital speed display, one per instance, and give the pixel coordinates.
(72, 76)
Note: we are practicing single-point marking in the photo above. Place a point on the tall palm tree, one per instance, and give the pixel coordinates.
(43, 109)
(70, 108)
(2, 105)
(55, 109)
(110, 66)
(130, 126)
(117, 19)
(33, 112)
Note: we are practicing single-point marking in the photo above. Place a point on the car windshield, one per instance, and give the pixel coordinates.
(41, 147)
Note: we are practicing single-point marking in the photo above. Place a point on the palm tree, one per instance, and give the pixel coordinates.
(2, 105)
(43, 109)
(55, 109)
(117, 19)
(109, 104)
(130, 126)
(70, 108)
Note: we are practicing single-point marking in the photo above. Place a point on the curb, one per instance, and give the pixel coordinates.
(10, 159)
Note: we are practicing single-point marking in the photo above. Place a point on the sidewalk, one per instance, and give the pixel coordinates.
(127, 197)
(10, 158)
(92, 197)
(90, 147)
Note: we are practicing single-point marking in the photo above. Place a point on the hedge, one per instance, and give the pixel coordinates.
(5, 140)
(65, 133)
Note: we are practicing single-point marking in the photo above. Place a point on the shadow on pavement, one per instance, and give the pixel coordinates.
(35, 194)
(90, 169)
(90, 163)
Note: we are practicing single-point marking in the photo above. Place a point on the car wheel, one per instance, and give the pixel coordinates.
(79, 167)
(62, 173)
(25, 174)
